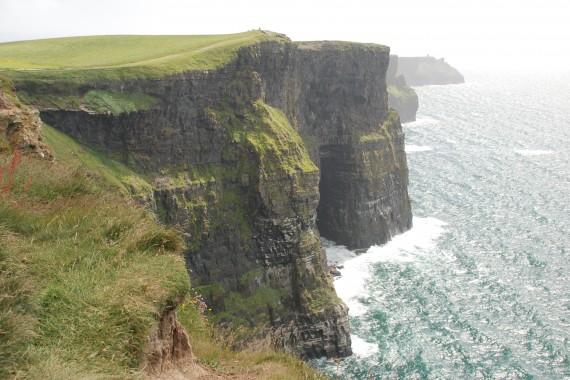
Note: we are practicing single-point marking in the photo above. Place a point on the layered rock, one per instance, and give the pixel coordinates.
(401, 97)
(232, 172)
(335, 95)
(20, 125)
(252, 160)
(168, 345)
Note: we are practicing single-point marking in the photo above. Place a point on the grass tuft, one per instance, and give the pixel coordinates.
(161, 240)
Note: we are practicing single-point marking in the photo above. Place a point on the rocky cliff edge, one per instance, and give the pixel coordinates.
(254, 161)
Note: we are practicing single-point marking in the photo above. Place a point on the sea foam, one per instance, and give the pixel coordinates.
(422, 122)
(417, 148)
(402, 248)
(362, 348)
(533, 152)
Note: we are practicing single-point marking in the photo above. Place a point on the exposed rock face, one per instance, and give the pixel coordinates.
(235, 155)
(167, 345)
(335, 95)
(401, 97)
(20, 126)
(404, 100)
(422, 71)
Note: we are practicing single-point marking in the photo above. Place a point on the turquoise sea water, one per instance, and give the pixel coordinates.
(480, 287)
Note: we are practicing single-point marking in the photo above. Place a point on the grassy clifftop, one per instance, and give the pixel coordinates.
(113, 57)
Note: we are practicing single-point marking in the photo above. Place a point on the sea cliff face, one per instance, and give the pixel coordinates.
(401, 97)
(335, 95)
(422, 71)
(253, 161)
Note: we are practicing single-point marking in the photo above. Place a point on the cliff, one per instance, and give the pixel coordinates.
(92, 286)
(422, 71)
(401, 97)
(253, 158)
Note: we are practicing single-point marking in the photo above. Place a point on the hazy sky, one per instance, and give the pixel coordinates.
(522, 34)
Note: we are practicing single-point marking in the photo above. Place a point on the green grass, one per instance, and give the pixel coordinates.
(114, 173)
(84, 276)
(85, 273)
(116, 103)
(98, 101)
(213, 349)
(7, 89)
(383, 132)
(66, 73)
(95, 101)
(114, 57)
(267, 130)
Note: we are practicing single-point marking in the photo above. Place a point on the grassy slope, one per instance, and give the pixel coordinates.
(114, 57)
(113, 172)
(85, 273)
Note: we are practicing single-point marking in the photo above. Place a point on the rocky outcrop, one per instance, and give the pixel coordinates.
(20, 125)
(401, 97)
(253, 161)
(168, 345)
(422, 71)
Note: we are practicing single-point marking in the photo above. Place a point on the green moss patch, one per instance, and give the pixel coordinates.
(383, 132)
(116, 103)
(278, 146)
(95, 101)
(113, 172)
(401, 92)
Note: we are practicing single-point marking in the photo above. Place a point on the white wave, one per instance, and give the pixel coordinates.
(402, 248)
(533, 152)
(417, 148)
(336, 254)
(360, 347)
(421, 122)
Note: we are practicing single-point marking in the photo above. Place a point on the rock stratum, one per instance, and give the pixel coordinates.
(254, 160)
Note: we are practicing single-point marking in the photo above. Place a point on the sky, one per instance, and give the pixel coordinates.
(497, 34)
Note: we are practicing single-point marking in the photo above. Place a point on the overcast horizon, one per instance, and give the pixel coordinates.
(518, 35)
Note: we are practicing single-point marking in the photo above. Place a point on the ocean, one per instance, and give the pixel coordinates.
(479, 288)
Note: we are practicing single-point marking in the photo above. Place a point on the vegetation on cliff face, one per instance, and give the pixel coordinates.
(94, 101)
(226, 205)
(383, 132)
(85, 273)
(401, 97)
(269, 133)
(114, 173)
(401, 91)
